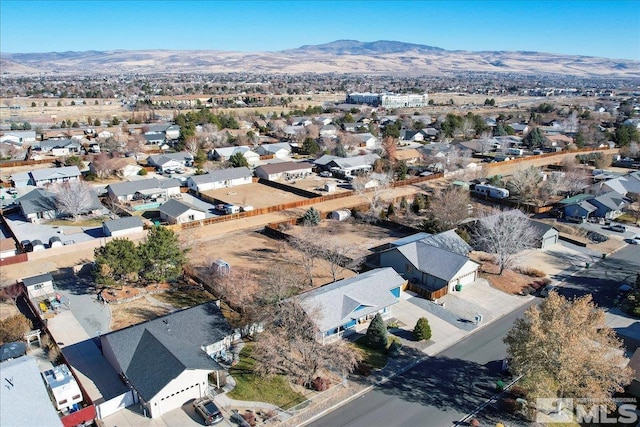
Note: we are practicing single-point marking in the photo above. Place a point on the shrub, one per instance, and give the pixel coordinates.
(507, 405)
(142, 172)
(13, 328)
(528, 271)
(320, 384)
(376, 336)
(518, 392)
(249, 417)
(363, 369)
(422, 331)
(311, 217)
(394, 348)
(90, 176)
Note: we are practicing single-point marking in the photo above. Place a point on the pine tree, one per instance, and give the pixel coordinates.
(311, 217)
(422, 331)
(377, 333)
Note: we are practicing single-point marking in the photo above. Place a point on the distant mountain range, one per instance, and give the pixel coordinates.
(342, 56)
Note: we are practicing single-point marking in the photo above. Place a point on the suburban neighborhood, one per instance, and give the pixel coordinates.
(319, 250)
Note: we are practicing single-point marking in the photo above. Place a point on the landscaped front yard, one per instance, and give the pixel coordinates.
(250, 386)
(375, 358)
(184, 298)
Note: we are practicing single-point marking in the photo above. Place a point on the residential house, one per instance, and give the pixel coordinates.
(433, 263)
(323, 120)
(546, 235)
(105, 134)
(38, 205)
(19, 137)
(60, 147)
(629, 183)
(122, 226)
(155, 138)
(39, 286)
(429, 133)
(366, 140)
(411, 135)
(322, 162)
(409, 156)
(176, 212)
(520, 128)
(351, 127)
(143, 189)
(170, 161)
(608, 205)
(440, 150)
(42, 177)
(347, 306)
(329, 130)
(223, 154)
(24, 398)
(352, 166)
(286, 170)
(581, 209)
(13, 152)
(167, 360)
(280, 150)
(222, 178)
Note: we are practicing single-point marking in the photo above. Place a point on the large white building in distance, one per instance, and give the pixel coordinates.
(388, 100)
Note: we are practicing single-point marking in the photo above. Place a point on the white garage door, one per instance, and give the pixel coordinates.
(179, 398)
(468, 278)
(549, 241)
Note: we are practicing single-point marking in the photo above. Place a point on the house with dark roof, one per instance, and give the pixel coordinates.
(143, 189)
(286, 170)
(545, 235)
(39, 204)
(60, 147)
(352, 166)
(122, 226)
(609, 205)
(347, 306)
(170, 161)
(167, 360)
(431, 263)
(223, 178)
(42, 177)
(176, 212)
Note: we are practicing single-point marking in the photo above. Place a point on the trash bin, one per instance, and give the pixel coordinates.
(604, 256)
(458, 287)
(586, 264)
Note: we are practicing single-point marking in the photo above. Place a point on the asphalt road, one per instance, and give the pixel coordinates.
(437, 392)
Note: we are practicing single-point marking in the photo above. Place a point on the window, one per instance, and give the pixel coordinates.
(77, 396)
(408, 268)
(191, 217)
(62, 402)
(38, 286)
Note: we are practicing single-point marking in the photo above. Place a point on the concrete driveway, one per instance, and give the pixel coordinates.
(184, 416)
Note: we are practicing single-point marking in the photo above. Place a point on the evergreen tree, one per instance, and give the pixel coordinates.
(238, 160)
(403, 203)
(535, 138)
(310, 146)
(311, 217)
(391, 210)
(377, 333)
(422, 331)
(116, 262)
(162, 256)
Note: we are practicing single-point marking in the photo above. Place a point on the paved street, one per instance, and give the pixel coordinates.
(437, 392)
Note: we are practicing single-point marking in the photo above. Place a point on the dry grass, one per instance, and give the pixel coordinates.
(7, 309)
(509, 281)
(134, 312)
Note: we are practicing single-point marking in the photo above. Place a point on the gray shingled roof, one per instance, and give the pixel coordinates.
(37, 201)
(324, 159)
(34, 280)
(221, 175)
(230, 151)
(174, 208)
(51, 173)
(281, 167)
(123, 223)
(130, 187)
(611, 200)
(540, 228)
(449, 240)
(160, 159)
(153, 353)
(355, 161)
(433, 260)
(332, 305)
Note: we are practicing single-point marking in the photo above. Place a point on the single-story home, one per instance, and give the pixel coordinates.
(366, 140)
(224, 153)
(411, 135)
(122, 226)
(328, 130)
(279, 150)
(167, 161)
(608, 205)
(352, 166)
(629, 183)
(175, 212)
(38, 204)
(155, 138)
(286, 170)
(545, 234)
(347, 305)
(167, 360)
(60, 147)
(222, 178)
(432, 263)
(19, 137)
(39, 286)
(42, 177)
(145, 188)
(409, 156)
(24, 398)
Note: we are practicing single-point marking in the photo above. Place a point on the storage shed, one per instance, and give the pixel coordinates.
(341, 215)
(220, 267)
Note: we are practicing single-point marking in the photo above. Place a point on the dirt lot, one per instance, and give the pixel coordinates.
(316, 184)
(256, 252)
(7, 309)
(134, 312)
(256, 195)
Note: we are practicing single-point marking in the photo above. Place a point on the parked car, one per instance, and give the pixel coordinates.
(325, 174)
(208, 410)
(12, 191)
(618, 228)
(575, 219)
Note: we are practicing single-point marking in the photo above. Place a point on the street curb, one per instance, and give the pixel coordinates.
(405, 368)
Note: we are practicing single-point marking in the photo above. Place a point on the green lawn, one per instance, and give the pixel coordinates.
(376, 358)
(183, 299)
(89, 222)
(250, 386)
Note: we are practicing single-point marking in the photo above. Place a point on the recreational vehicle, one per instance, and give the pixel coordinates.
(490, 191)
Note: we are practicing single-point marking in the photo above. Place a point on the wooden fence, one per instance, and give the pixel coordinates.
(547, 155)
(14, 163)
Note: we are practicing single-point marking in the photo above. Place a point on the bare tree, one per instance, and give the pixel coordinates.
(340, 254)
(192, 145)
(449, 207)
(390, 147)
(524, 183)
(312, 131)
(74, 198)
(306, 242)
(239, 289)
(373, 191)
(103, 165)
(504, 234)
(633, 208)
(288, 346)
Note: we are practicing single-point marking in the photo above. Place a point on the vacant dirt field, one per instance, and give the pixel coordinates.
(316, 184)
(256, 195)
(256, 252)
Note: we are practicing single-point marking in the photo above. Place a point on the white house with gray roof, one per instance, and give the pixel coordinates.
(286, 170)
(143, 189)
(629, 183)
(222, 178)
(224, 153)
(168, 161)
(347, 306)
(167, 360)
(432, 262)
(352, 166)
(122, 226)
(176, 212)
(47, 176)
(279, 150)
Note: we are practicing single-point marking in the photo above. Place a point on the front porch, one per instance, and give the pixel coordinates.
(355, 326)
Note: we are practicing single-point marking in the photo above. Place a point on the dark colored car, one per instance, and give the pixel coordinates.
(208, 410)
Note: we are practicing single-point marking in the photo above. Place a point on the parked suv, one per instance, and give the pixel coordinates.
(618, 227)
(208, 410)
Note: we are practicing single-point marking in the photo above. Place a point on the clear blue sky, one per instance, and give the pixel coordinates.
(595, 28)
